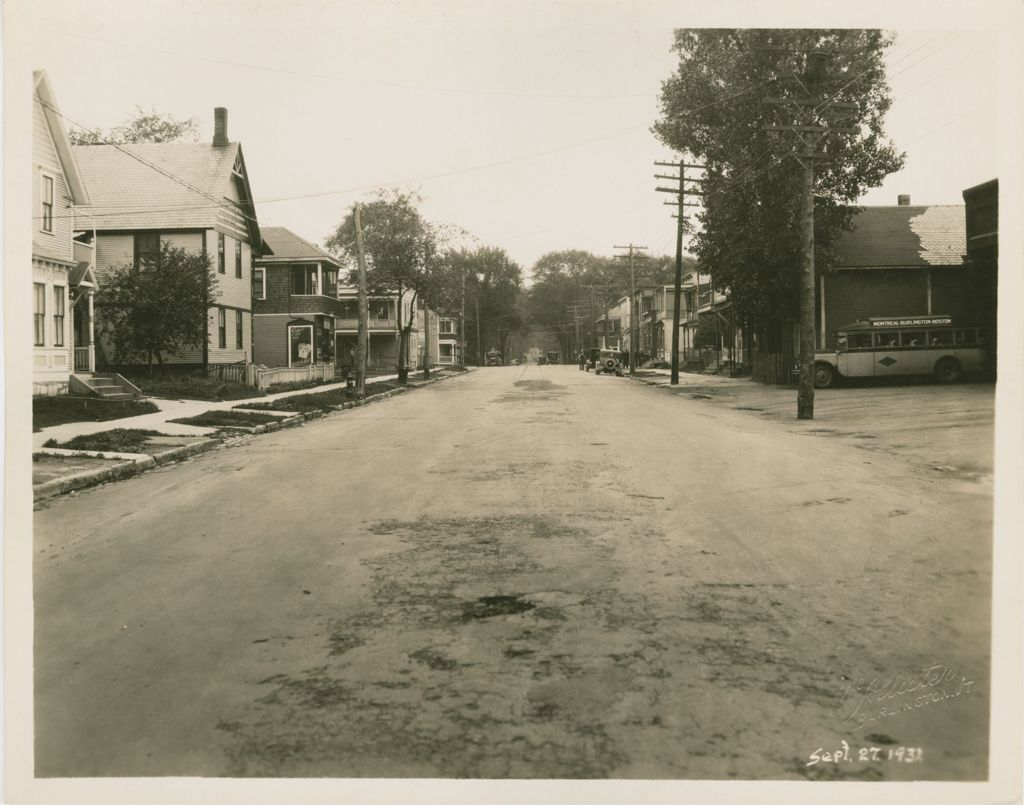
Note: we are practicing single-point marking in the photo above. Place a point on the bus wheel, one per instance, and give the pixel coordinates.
(824, 376)
(948, 370)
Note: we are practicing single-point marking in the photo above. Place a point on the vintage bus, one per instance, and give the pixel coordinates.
(900, 346)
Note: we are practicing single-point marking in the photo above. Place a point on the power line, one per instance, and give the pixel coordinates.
(162, 171)
(383, 84)
(948, 123)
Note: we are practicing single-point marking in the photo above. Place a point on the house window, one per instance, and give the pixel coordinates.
(238, 328)
(58, 315)
(222, 328)
(446, 327)
(380, 310)
(304, 281)
(220, 253)
(147, 247)
(47, 218)
(330, 282)
(349, 309)
(40, 313)
(259, 283)
(238, 259)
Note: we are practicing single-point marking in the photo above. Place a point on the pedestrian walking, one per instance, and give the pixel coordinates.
(582, 360)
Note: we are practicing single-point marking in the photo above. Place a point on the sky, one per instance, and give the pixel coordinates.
(526, 124)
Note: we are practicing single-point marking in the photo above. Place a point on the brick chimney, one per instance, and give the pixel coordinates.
(903, 200)
(220, 126)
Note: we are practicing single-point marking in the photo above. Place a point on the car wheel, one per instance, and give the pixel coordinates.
(824, 376)
(948, 370)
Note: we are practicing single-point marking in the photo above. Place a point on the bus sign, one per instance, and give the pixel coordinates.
(924, 321)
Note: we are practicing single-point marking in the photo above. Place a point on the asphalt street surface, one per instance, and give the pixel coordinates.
(527, 572)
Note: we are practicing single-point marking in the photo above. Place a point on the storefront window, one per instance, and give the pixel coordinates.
(300, 345)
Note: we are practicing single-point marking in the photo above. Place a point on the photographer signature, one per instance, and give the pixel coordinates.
(863, 701)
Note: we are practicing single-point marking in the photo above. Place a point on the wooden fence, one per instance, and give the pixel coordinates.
(261, 377)
(772, 368)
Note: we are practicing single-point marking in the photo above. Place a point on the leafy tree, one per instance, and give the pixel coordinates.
(493, 283)
(159, 306)
(562, 279)
(403, 254)
(142, 127)
(713, 108)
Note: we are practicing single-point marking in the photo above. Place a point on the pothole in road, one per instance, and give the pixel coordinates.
(537, 385)
(490, 606)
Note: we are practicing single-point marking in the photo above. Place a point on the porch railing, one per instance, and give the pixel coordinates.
(83, 359)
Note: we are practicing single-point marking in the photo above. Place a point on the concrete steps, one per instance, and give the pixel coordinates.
(107, 386)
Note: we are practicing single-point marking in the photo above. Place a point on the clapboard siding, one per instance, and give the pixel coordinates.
(270, 340)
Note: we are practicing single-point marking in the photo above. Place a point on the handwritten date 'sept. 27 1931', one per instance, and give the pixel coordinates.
(866, 754)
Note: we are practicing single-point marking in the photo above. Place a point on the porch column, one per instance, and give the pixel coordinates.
(91, 337)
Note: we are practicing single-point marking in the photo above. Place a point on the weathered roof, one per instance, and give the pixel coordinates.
(904, 236)
(283, 244)
(135, 190)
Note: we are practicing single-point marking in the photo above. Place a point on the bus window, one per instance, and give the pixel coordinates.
(885, 340)
(940, 338)
(965, 338)
(840, 343)
(860, 340)
(913, 338)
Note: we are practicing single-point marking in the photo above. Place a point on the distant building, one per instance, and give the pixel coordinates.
(902, 260)
(294, 302)
(982, 230)
(194, 196)
(63, 281)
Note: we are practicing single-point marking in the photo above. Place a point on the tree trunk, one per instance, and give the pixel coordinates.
(403, 340)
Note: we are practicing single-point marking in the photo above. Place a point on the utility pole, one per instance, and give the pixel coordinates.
(462, 322)
(577, 316)
(364, 309)
(681, 193)
(633, 318)
(426, 339)
(810, 132)
(593, 307)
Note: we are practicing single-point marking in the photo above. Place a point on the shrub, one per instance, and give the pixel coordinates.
(324, 401)
(228, 419)
(49, 411)
(193, 386)
(119, 440)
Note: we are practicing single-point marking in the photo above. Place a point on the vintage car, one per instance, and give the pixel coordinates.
(609, 361)
(493, 358)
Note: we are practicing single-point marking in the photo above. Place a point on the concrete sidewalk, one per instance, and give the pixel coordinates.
(174, 409)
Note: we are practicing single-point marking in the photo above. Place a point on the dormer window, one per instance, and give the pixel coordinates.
(47, 194)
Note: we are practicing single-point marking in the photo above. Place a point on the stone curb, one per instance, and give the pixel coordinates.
(139, 462)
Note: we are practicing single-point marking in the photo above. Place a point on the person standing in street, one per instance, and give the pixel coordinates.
(581, 358)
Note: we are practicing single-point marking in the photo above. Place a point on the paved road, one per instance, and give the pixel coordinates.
(522, 572)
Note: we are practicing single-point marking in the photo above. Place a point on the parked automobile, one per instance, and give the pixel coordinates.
(493, 358)
(552, 357)
(591, 358)
(609, 361)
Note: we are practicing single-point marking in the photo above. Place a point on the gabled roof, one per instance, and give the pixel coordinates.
(281, 244)
(161, 186)
(58, 133)
(904, 236)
